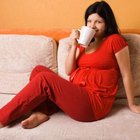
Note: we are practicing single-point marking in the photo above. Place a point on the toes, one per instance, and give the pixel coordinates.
(25, 124)
(34, 120)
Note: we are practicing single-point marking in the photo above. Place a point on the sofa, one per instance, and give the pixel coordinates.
(21, 50)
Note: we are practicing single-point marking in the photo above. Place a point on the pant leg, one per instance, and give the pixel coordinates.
(72, 99)
(38, 69)
(47, 107)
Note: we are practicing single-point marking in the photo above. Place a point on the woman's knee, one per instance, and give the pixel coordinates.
(37, 69)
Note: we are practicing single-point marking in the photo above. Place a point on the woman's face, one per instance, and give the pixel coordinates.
(98, 24)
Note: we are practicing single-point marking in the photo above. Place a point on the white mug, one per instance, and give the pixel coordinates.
(86, 35)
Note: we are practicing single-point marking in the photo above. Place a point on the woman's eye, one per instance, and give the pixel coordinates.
(99, 22)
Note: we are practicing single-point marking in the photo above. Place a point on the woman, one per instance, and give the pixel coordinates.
(94, 72)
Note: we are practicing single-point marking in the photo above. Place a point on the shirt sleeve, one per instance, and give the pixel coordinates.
(118, 43)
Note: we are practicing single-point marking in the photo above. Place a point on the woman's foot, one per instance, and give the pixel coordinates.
(34, 120)
(1, 125)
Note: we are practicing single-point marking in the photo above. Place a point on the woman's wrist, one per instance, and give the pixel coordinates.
(73, 48)
(135, 108)
(131, 103)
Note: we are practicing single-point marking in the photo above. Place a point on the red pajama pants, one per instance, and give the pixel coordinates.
(46, 92)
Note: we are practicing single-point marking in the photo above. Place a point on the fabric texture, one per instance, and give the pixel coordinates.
(19, 54)
(63, 49)
(45, 85)
(98, 72)
(121, 124)
(133, 41)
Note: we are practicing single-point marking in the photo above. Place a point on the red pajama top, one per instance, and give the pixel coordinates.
(98, 72)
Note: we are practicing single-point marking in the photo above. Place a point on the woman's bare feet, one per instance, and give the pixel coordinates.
(1, 125)
(34, 120)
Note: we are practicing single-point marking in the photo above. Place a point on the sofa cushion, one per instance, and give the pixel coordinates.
(63, 49)
(134, 47)
(19, 54)
(120, 124)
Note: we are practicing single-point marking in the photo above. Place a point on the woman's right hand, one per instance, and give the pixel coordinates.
(74, 36)
(70, 63)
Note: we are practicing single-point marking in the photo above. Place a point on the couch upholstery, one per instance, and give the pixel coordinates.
(19, 53)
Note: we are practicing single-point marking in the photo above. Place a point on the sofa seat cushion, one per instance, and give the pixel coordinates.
(121, 124)
(19, 54)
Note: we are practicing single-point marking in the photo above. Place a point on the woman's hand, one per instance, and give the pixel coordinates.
(135, 108)
(74, 36)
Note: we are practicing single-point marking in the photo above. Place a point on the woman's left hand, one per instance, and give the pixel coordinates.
(135, 108)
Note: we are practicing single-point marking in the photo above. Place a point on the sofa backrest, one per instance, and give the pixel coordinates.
(19, 54)
(134, 47)
(39, 49)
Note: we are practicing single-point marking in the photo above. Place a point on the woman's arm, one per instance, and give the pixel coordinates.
(123, 60)
(70, 63)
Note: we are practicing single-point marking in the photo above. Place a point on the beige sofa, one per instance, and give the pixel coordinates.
(20, 52)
